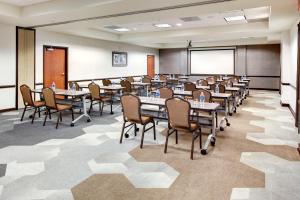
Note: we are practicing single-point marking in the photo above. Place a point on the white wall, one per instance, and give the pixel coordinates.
(289, 53)
(7, 65)
(91, 59)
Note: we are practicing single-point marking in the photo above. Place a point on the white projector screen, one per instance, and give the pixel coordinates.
(206, 62)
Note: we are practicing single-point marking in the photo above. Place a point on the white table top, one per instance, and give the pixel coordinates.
(65, 92)
(194, 104)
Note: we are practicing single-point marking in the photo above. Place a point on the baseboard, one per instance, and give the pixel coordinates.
(7, 110)
(284, 104)
(268, 89)
(290, 108)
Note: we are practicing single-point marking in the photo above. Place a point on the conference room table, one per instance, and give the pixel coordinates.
(235, 96)
(225, 96)
(112, 88)
(160, 82)
(195, 105)
(75, 94)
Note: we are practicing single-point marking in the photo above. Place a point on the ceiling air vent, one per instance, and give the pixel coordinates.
(112, 27)
(191, 19)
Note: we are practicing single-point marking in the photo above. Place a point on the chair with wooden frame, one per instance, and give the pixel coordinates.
(130, 79)
(50, 101)
(131, 106)
(203, 114)
(29, 102)
(127, 87)
(96, 97)
(202, 82)
(189, 86)
(162, 77)
(106, 82)
(210, 80)
(147, 79)
(179, 120)
(77, 87)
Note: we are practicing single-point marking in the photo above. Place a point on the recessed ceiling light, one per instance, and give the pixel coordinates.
(178, 24)
(163, 25)
(122, 29)
(235, 18)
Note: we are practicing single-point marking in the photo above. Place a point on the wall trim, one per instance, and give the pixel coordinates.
(7, 110)
(7, 86)
(269, 89)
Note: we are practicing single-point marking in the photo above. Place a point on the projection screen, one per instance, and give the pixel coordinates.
(205, 62)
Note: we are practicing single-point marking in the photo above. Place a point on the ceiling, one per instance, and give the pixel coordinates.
(202, 21)
(23, 2)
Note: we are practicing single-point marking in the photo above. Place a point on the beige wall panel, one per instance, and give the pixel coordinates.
(25, 61)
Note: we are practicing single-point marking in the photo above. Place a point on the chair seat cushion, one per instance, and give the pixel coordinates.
(39, 103)
(63, 107)
(146, 119)
(104, 98)
(194, 127)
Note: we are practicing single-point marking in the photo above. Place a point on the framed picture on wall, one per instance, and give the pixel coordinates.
(119, 59)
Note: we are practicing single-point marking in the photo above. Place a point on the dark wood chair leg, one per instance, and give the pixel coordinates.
(46, 117)
(200, 138)
(142, 139)
(23, 113)
(101, 104)
(166, 143)
(33, 116)
(39, 111)
(135, 130)
(91, 107)
(121, 138)
(50, 114)
(58, 118)
(192, 148)
(72, 111)
(154, 131)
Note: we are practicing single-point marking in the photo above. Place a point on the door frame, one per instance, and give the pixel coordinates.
(66, 63)
(151, 55)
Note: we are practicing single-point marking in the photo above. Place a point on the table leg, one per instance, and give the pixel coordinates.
(111, 103)
(211, 139)
(85, 114)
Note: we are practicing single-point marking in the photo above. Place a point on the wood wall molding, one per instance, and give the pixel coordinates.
(7, 86)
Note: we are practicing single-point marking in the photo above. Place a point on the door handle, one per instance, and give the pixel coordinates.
(63, 74)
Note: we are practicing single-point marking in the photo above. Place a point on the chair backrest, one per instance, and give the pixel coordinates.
(49, 96)
(162, 77)
(203, 82)
(127, 86)
(131, 105)
(176, 75)
(210, 79)
(206, 93)
(106, 82)
(222, 88)
(178, 113)
(146, 79)
(166, 93)
(94, 90)
(77, 87)
(189, 86)
(26, 94)
(130, 79)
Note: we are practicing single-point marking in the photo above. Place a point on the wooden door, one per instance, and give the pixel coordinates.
(55, 67)
(151, 65)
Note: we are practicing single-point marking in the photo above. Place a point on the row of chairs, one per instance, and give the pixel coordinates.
(178, 110)
(179, 119)
(49, 102)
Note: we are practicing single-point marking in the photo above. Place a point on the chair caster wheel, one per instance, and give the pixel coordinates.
(30, 116)
(203, 152)
(228, 124)
(213, 143)
(88, 120)
(72, 125)
(230, 114)
(221, 128)
(126, 135)
(137, 129)
(234, 111)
